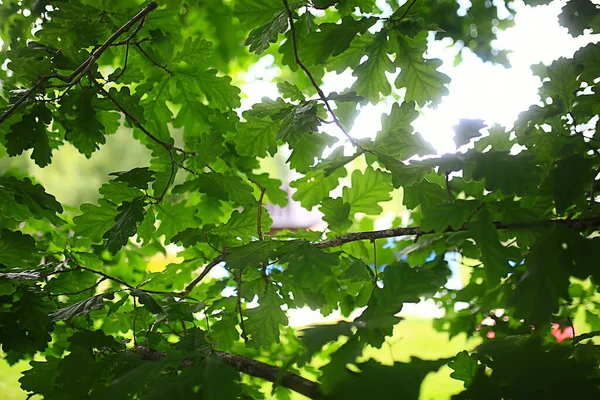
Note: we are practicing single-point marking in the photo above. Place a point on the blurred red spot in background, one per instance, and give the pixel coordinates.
(561, 334)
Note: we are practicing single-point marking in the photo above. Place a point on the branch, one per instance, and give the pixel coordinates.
(111, 278)
(312, 79)
(577, 224)
(204, 272)
(259, 369)
(238, 281)
(260, 206)
(249, 366)
(86, 65)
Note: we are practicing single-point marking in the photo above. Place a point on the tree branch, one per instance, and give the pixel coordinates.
(577, 224)
(259, 369)
(204, 272)
(252, 367)
(86, 65)
(111, 278)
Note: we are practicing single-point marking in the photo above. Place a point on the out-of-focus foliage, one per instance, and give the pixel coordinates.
(74, 284)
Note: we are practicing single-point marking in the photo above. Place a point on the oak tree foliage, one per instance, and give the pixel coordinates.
(518, 204)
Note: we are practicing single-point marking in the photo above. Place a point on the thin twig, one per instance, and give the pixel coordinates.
(120, 74)
(260, 206)
(238, 280)
(375, 261)
(407, 10)
(187, 169)
(85, 66)
(313, 80)
(204, 272)
(572, 326)
(80, 291)
(113, 278)
(448, 190)
(164, 68)
(132, 119)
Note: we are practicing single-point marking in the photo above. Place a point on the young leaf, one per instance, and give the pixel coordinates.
(83, 307)
(263, 321)
(367, 190)
(125, 224)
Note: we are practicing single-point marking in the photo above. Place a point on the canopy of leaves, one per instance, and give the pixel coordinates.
(518, 206)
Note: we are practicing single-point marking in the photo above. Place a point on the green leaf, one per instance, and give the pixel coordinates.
(260, 38)
(19, 193)
(254, 13)
(493, 254)
(195, 51)
(592, 320)
(516, 174)
(578, 16)
(253, 253)
(82, 307)
(290, 91)
(118, 192)
(367, 190)
(30, 133)
(94, 340)
(16, 249)
(423, 82)
(371, 79)
(125, 224)
(465, 368)
(217, 89)
(81, 121)
(466, 130)
(262, 323)
(273, 188)
(307, 149)
(538, 291)
(570, 180)
(301, 120)
(137, 178)
(41, 377)
(95, 220)
(315, 337)
(307, 265)
(497, 138)
(315, 186)
(401, 284)
(348, 6)
(405, 174)
(219, 380)
(256, 137)
(385, 382)
(148, 301)
(244, 224)
(425, 194)
(332, 39)
(175, 218)
(207, 146)
(396, 138)
(453, 215)
(336, 213)
(219, 186)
